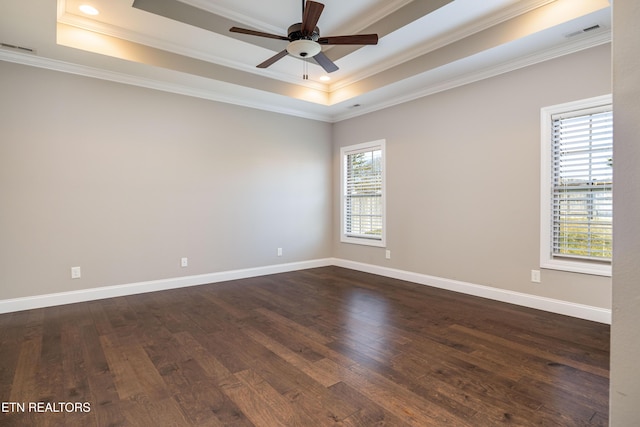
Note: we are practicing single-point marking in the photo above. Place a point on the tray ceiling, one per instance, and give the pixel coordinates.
(184, 46)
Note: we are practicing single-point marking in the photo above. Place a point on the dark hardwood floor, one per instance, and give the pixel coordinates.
(320, 347)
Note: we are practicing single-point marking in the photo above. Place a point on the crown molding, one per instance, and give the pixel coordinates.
(571, 46)
(150, 83)
(363, 21)
(179, 49)
(461, 33)
(216, 9)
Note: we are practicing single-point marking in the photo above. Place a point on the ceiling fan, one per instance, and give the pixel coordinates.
(305, 41)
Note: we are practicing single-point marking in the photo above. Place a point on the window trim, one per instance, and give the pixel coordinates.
(547, 260)
(353, 149)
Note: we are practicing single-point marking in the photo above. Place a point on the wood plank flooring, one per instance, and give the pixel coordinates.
(320, 347)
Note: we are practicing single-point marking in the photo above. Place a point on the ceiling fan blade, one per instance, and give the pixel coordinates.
(257, 33)
(273, 59)
(312, 12)
(325, 63)
(353, 39)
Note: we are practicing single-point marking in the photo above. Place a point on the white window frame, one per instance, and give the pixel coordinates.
(547, 259)
(344, 152)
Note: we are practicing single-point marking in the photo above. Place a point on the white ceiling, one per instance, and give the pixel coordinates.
(184, 46)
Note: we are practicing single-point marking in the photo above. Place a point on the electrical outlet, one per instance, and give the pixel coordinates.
(387, 254)
(535, 276)
(279, 251)
(76, 273)
(184, 262)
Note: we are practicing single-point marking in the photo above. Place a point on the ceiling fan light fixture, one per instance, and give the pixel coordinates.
(303, 48)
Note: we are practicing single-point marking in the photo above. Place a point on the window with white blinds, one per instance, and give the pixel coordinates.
(363, 203)
(579, 186)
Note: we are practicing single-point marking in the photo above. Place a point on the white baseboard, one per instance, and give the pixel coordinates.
(61, 298)
(581, 311)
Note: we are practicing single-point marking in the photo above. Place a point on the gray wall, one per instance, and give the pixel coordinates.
(124, 181)
(625, 330)
(463, 189)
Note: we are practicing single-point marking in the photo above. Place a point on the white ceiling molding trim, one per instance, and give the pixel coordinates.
(150, 83)
(363, 21)
(441, 41)
(569, 47)
(154, 42)
(185, 46)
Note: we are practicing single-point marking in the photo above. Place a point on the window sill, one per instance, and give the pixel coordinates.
(363, 241)
(578, 267)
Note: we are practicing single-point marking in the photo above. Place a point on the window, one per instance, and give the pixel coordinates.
(577, 186)
(363, 195)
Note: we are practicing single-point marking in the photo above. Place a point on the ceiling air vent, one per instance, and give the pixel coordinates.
(582, 31)
(18, 48)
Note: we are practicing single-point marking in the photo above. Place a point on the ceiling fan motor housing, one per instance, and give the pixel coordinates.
(295, 33)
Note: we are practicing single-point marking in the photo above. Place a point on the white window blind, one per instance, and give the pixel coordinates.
(582, 184)
(363, 193)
